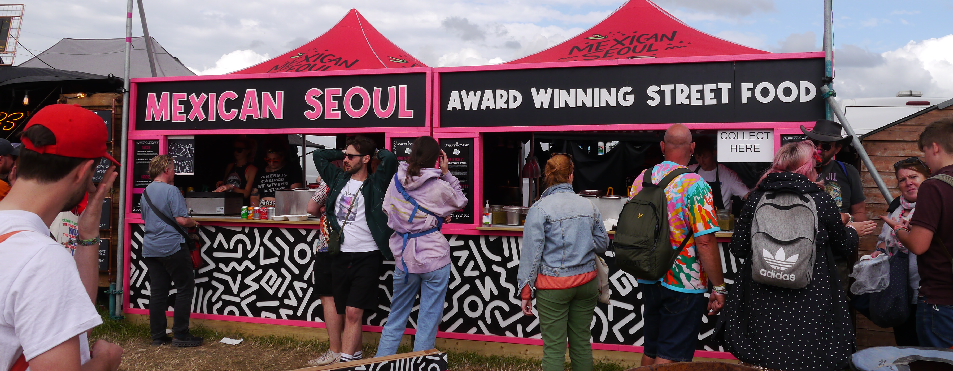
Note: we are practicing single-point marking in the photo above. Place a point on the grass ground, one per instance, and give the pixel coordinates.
(267, 352)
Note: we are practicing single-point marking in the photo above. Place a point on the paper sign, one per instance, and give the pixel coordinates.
(755, 145)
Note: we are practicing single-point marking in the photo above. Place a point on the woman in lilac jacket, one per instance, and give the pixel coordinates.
(418, 200)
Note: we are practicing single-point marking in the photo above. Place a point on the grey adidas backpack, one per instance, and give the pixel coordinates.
(783, 237)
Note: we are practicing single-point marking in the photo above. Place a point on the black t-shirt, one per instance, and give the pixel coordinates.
(935, 268)
(845, 188)
(267, 183)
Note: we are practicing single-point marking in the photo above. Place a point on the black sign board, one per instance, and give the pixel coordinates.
(351, 101)
(401, 147)
(144, 151)
(107, 116)
(103, 255)
(746, 91)
(182, 151)
(106, 217)
(101, 168)
(460, 154)
(136, 203)
(789, 138)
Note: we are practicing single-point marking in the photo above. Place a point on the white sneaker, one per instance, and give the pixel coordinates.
(327, 358)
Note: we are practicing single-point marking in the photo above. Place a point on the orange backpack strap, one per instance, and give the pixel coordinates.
(20, 364)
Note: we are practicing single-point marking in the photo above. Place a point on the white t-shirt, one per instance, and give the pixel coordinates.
(42, 301)
(357, 235)
(731, 184)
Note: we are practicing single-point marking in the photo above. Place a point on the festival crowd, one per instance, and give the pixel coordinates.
(784, 310)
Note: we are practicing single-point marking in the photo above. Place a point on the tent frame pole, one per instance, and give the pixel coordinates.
(121, 245)
(150, 51)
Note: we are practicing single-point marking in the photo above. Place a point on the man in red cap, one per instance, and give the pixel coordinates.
(44, 308)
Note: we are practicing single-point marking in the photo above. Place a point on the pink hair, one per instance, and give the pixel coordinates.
(795, 158)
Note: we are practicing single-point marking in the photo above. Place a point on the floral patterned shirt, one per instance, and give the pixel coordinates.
(691, 214)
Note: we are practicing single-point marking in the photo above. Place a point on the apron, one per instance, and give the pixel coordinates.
(715, 189)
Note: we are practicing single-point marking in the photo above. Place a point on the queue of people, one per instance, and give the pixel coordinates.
(396, 211)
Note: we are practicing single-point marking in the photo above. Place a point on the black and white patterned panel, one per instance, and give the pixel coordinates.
(482, 296)
(253, 272)
(430, 362)
(267, 273)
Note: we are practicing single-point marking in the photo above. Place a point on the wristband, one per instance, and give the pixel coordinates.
(898, 229)
(89, 242)
(720, 289)
(850, 218)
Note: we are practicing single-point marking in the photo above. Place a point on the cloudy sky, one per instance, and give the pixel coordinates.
(881, 46)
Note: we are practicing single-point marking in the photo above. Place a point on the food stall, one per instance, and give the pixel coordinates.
(610, 116)
(257, 271)
(492, 121)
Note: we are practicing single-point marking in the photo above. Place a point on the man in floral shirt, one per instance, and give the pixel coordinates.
(675, 304)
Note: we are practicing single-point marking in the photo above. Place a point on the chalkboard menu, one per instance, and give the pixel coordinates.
(103, 255)
(136, 200)
(460, 153)
(182, 150)
(106, 215)
(401, 147)
(107, 116)
(145, 150)
(790, 138)
(101, 168)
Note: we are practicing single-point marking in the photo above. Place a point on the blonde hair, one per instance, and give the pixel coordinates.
(558, 169)
(158, 165)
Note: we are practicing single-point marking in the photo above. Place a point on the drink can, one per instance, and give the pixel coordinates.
(263, 213)
(255, 213)
(271, 213)
(244, 212)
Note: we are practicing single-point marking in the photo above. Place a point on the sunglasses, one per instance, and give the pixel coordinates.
(909, 161)
(351, 157)
(561, 154)
(824, 146)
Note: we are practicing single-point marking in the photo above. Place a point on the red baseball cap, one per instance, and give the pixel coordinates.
(79, 132)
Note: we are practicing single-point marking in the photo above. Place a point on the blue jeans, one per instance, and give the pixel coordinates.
(433, 290)
(672, 320)
(934, 324)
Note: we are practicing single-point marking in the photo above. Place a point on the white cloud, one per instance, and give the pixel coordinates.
(746, 39)
(905, 12)
(724, 7)
(232, 62)
(463, 57)
(798, 42)
(920, 65)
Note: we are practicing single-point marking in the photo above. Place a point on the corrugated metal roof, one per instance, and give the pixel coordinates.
(107, 57)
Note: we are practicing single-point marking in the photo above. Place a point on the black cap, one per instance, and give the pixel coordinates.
(825, 131)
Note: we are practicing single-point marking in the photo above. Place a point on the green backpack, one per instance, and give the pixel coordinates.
(642, 245)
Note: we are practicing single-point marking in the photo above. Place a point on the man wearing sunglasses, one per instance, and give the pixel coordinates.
(842, 182)
(354, 210)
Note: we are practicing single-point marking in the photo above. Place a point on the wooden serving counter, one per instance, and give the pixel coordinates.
(514, 228)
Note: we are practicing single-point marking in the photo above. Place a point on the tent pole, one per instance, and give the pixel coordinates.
(145, 32)
(121, 241)
(828, 49)
(856, 143)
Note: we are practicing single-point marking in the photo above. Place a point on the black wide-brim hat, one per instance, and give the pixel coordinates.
(825, 131)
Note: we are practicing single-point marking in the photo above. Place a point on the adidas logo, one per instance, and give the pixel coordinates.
(779, 261)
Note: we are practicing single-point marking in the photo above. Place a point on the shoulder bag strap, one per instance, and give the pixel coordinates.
(164, 218)
(663, 184)
(403, 192)
(846, 175)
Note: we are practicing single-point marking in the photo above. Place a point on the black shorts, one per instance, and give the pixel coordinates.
(322, 274)
(356, 276)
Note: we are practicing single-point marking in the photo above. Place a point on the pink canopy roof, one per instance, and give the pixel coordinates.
(352, 44)
(638, 29)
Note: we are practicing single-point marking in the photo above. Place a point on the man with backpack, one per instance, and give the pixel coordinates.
(929, 236)
(675, 303)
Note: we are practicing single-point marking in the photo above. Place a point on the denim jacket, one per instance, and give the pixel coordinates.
(563, 232)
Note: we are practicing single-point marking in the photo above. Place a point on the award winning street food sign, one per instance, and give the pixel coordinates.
(743, 91)
(342, 101)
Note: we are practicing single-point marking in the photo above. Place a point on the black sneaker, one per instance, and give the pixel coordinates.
(187, 341)
(161, 341)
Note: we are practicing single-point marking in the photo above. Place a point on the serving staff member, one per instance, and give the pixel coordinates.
(724, 182)
(240, 175)
(277, 176)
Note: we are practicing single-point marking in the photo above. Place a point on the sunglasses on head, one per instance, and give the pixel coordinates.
(561, 154)
(909, 161)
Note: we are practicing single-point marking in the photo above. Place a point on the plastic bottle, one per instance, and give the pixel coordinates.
(486, 214)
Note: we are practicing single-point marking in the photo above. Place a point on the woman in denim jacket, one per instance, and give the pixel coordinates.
(562, 235)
